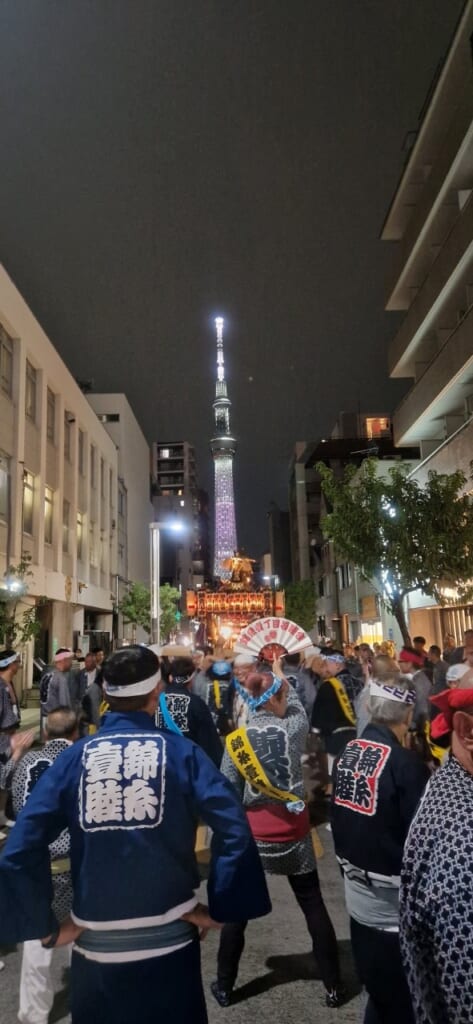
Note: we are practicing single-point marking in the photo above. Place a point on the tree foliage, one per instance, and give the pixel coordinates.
(400, 535)
(17, 627)
(300, 603)
(135, 608)
(168, 600)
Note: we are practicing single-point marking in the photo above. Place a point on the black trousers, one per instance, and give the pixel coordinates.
(378, 962)
(306, 889)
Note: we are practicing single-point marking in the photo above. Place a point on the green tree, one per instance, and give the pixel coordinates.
(402, 536)
(135, 607)
(300, 603)
(168, 601)
(17, 627)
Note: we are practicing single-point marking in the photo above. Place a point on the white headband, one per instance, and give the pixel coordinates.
(9, 661)
(133, 689)
(392, 693)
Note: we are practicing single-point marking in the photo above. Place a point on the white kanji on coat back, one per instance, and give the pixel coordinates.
(122, 782)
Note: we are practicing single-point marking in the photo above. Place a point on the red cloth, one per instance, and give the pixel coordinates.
(273, 823)
(412, 657)
(449, 701)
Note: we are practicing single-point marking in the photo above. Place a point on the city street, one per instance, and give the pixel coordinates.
(277, 980)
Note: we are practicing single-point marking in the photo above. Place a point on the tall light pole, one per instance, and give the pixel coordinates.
(154, 571)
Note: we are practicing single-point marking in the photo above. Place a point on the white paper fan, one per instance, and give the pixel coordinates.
(279, 636)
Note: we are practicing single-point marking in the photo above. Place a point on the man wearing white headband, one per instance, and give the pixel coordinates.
(131, 796)
(377, 785)
(64, 687)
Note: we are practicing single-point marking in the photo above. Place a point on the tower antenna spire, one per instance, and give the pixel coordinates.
(223, 447)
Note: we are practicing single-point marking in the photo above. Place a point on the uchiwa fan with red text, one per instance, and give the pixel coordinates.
(272, 638)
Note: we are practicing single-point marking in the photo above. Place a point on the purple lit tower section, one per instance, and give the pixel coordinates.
(223, 447)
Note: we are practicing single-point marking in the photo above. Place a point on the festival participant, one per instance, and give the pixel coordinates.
(263, 762)
(333, 714)
(411, 664)
(130, 797)
(377, 785)
(183, 711)
(219, 677)
(36, 983)
(66, 688)
(239, 712)
(436, 920)
(10, 716)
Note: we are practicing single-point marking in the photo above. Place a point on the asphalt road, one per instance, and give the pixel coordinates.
(277, 980)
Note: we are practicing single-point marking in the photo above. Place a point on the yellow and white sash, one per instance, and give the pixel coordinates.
(248, 764)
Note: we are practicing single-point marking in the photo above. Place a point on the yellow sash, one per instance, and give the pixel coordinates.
(247, 763)
(217, 697)
(342, 699)
(437, 752)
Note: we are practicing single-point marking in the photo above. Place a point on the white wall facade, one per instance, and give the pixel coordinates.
(58, 480)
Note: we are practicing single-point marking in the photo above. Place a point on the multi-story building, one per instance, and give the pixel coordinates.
(279, 543)
(134, 507)
(176, 496)
(348, 606)
(58, 484)
(431, 221)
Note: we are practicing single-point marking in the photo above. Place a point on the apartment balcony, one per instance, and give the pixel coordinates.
(451, 270)
(441, 392)
(431, 217)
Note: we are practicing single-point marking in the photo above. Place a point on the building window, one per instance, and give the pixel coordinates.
(50, 415)
(68, 421)
(93, 467)
(6, 362)
(92, 546)
(102, 478)
(164, 453)
(81, 453)
(48, 515)
(109, 417)
(80, 535)
(28, 502)
(377, 426)
(66, 517)
(4, 487)
(30, 398)
(122, 502)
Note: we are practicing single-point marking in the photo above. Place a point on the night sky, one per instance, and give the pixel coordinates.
(164, 162)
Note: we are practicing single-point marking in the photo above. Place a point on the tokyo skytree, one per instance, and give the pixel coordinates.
(223, 447)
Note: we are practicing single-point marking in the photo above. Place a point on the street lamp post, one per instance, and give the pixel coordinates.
(154, 572)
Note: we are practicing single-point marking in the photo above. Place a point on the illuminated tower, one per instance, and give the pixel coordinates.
(223, 447)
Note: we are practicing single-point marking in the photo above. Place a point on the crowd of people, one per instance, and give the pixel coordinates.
(142, 747)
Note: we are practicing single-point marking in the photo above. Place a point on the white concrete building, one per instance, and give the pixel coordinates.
(134, 508)
(431, 221)
(58, 484)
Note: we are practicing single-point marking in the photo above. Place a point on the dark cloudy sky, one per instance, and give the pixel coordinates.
(166, 160)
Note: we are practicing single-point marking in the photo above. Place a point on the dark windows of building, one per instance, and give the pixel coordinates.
(80, 535)
(30, 394)
(81, 452)
(93, 466)
(50, 415)
(28, 502)
(48, 515)
(66, 524)
(6, 362)
(109, 417)
(4, 487)
(68, 421)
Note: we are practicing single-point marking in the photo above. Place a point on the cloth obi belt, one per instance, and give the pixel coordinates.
(123, 946)
(273, 823)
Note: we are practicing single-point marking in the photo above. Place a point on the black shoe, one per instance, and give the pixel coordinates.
(223, 998)
(335, 997)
